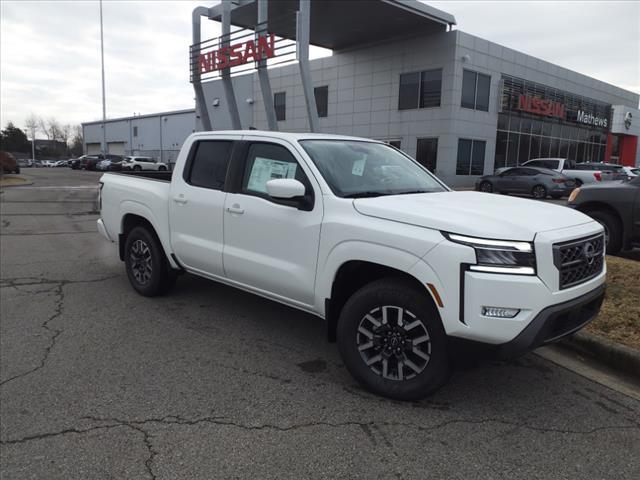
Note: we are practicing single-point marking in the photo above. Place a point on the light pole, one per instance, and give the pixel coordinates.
(104, 105)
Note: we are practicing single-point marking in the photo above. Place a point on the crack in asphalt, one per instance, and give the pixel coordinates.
(57, 289)
(139, 424)
(52, 340)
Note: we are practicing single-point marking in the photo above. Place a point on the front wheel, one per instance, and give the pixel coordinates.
(162, 168)
(539, 192)
(486, 187)
(391, 340)
(612, 230)
(147, 267)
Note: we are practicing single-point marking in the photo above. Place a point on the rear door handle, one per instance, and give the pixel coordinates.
(180, 199)
(235, 209)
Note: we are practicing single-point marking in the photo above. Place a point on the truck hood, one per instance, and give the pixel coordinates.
(473, 213)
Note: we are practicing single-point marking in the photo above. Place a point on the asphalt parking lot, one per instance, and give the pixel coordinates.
(209, 382)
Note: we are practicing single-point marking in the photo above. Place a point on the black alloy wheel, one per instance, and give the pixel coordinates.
(391, 340)
(146, 264)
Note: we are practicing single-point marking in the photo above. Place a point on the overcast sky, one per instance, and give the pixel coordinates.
(50, 51)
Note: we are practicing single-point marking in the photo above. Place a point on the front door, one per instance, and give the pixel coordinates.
(196, 206)
(272, 245)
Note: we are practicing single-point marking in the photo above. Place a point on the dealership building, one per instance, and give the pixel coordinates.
(459, 104)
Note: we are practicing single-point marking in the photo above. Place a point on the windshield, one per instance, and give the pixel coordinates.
(365, 169)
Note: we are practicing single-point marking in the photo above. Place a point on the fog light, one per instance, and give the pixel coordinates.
(500, 312)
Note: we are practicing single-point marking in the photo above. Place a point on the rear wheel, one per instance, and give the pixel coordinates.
(162, 168)
(539, 192)
(147, 267)
(137, 168)
(612, 230)
(391, 339)
(486, 187)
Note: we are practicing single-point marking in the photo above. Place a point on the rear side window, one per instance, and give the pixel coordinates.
(209, 163)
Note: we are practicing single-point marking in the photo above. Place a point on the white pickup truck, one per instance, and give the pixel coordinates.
(582, 173)
(358, 233)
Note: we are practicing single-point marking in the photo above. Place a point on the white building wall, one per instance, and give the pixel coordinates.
(159, 135)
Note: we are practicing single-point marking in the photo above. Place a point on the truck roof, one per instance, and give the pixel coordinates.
(290, 136)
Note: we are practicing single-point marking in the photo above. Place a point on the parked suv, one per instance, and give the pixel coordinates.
(143, 163)
(358, 233)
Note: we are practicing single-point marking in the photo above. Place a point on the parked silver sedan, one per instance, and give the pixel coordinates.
(537, 182)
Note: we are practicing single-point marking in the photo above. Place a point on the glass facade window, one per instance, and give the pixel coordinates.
(523, 134)
(470, 157)
(427, 153)
(280, 105)
(420, 89)
(321, 95)
(475, 90)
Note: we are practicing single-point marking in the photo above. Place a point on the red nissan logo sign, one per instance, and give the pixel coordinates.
(540, 106)
(237, 54)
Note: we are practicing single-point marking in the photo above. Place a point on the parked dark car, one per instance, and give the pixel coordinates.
(616, 206)
(76, 163)
(89, 162)
(537, 182)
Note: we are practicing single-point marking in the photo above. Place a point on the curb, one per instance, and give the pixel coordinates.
(24, 182)
(615, 355)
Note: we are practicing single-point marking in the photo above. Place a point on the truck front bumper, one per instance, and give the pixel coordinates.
(555, 322)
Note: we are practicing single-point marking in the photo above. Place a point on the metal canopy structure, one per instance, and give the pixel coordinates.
(340, 24)
(333, 24)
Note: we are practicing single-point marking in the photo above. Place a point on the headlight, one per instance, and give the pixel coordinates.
(499, 256)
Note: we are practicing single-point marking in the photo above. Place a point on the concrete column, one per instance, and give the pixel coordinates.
(226, 72)
(263, 75)
(201, 104)
(303, 28)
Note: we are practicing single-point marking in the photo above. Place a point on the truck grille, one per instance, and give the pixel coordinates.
(579, 260)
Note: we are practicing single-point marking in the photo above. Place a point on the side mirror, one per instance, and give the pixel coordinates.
(285, 188)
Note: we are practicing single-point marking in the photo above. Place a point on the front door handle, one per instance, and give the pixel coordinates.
(180, 199)
(235, 209)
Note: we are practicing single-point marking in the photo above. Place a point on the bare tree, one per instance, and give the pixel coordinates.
(43, 127)
(53, 125)
(65, 133)
(32, 123)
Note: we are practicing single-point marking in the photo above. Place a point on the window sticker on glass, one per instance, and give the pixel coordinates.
(265, 169)
(358, 167)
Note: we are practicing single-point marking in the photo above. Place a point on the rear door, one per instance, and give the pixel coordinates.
(196, 206)
(272, 245)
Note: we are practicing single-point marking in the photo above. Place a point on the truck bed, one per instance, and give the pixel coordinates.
(153, 175)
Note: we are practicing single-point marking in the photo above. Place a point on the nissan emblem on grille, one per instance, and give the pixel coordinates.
(579, 260)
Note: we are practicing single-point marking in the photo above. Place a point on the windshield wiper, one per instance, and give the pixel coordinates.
(408, 192)
(366, 194)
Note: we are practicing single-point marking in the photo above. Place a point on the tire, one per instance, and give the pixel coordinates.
(147, 267)
(539, 192)
(137, 168)
(612, 230)
(556, 196)
(429, 371)
(486, 187)
(17, 170)
(162, 169)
